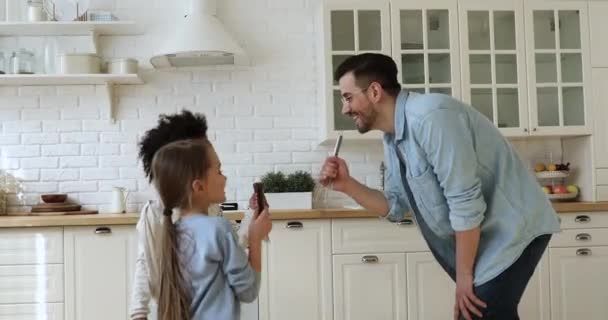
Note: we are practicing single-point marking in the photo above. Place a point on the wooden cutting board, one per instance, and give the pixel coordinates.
(64, 213)
(55, 207)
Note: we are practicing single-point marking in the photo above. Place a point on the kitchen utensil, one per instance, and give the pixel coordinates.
(323, 193)
(119, 200)
(55, 207)
(69, 63)
(122, 66)
(54, 197)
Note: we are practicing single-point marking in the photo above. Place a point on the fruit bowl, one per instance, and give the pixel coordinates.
(562, 196)
(552, 174)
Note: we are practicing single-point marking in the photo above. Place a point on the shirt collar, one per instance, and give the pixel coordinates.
(400, 120)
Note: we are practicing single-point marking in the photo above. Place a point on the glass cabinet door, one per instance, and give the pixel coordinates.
(493, 59)
(354, 28)
(425, 45)
(558, 61)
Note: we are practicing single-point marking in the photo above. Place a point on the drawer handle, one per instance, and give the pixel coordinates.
(583, 252)
(369, 259)
(582, 219)
(583, 237)
(294, 225)
(103, 230)
(405, 222)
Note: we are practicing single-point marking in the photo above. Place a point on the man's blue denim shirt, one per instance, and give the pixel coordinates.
(463, 174)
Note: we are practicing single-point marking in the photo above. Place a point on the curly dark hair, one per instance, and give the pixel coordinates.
(170, 128)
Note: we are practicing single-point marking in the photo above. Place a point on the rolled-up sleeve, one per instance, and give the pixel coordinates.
(393, 189)
(245, 281)
(445, 137)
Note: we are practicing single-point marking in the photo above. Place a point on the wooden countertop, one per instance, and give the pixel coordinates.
(75, 220)
(339, 213)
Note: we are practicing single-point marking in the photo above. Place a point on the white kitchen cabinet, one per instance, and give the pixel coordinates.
(370, 286)
(579, 282)
(430, 291)
(559, 72)
(598, 24)
(425, 45)
(526, 75)
(296, 277)
(600, 129)
(349, 28)
(41, 311)
(99, 266)
(494, 62)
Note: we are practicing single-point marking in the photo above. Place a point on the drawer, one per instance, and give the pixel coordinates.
(374, 235)
(31, 284)
(580, 238)
(48, 311)
(584, 220)
(601, 176)
(25, 246)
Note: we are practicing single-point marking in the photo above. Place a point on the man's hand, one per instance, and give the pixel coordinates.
(335, 171)
(466, 301)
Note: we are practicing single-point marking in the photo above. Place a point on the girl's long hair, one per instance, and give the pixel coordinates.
(175, 166)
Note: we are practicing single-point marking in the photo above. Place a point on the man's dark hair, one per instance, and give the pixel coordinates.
(170, 128)
(371, 67)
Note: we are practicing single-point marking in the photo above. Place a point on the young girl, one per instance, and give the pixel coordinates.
(204, 271)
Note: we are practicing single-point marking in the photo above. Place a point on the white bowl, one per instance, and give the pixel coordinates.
(78, 63)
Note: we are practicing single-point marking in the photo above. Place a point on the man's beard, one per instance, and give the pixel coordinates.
(366, 122)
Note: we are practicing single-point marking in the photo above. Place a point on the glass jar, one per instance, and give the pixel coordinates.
(3, 64)
(35, 11)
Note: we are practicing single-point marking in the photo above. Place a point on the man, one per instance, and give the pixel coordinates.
(480, 210)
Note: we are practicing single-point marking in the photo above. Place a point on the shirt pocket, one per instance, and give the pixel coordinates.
(431, 202)
(428, 188)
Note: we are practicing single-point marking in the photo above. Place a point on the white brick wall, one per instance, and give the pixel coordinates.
(263, 117)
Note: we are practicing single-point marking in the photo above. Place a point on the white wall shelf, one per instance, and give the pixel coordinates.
(107, 80)
(67, 79)
(69, 28)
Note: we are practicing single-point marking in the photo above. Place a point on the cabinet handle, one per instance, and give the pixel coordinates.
(533, 129)
(583, 237)
(294, 225)
(405, 222)
(103, 230)
(582, 219)
(525, 129)
(369, 259)
(583, 252)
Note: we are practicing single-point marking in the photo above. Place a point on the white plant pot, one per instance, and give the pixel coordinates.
(289, 200)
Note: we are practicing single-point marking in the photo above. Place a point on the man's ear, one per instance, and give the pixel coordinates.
(376, 91)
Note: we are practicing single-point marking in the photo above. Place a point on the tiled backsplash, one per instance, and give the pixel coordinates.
(264, 117)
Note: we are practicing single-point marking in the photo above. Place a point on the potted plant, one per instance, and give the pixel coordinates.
(293, 191)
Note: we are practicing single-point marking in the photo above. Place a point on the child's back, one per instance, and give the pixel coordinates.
(217, 268)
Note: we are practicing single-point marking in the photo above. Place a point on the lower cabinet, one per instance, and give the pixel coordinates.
(579, 282)
(99, 269)
(370, 286)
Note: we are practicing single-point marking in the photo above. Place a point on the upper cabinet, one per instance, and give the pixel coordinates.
(425, 45)
(526, 65)
(559, 72)
(523, 64)
(494, 62)
(598, 24)
(349, 28)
